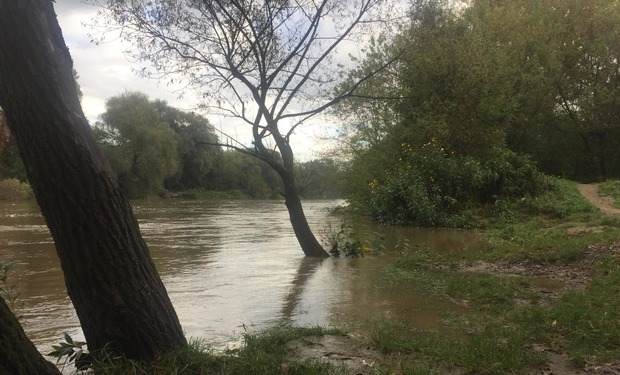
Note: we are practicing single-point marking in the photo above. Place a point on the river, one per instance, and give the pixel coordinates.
(231, 266)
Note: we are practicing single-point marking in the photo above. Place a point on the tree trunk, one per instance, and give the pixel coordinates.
(308, 242)
(18, 355)
(110, 276)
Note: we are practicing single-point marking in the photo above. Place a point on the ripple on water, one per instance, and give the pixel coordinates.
(228, 266)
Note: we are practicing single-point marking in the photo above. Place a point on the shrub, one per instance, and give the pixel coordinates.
(433, 187)
(13, 189)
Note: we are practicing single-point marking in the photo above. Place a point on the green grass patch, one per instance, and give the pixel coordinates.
(392, 336)
(497, 348)
(489, 292)
(611, 188)
(552, 228)
(589, 321)
(546, 242)
(264, 353)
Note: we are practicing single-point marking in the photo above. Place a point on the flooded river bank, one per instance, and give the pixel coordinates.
(231, 266)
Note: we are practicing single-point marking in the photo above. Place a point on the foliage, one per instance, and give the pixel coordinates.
(8, 292)
(234, 171)
(13, 189)
(342, 242)
(489, 83)
(197, 153)
(263, 353)
(72, 350)
(141, 148)
(11, 165)
(318, 179)
(431, 186)
(611, 188)
(153, 147)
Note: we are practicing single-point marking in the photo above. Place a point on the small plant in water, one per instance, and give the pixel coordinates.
(403, 245)
(376, 243)
(341, 242)
(71, 349)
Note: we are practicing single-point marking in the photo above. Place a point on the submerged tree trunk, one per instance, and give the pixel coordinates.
(308, 242)
(110, 277)
(18, 355)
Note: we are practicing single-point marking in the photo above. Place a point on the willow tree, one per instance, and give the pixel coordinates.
(269, 64)
(110, 277)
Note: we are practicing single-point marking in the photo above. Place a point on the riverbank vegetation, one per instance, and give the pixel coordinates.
(157, 150)
(540, 296)
(487, 101)
(261, 353)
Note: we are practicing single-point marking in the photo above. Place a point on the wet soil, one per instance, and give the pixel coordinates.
(340, 351)
(360, 359)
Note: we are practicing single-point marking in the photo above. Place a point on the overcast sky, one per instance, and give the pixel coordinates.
(104, 71)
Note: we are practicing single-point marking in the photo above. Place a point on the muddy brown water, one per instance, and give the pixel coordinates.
(232, 266)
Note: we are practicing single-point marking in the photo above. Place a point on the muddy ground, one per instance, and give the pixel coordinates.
(361, 359)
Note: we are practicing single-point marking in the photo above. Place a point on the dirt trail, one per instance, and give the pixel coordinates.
(591, 193)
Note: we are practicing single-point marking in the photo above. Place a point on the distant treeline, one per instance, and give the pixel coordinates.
(155, 148)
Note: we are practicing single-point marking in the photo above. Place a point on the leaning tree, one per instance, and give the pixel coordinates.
(111, 279)
(272, 64)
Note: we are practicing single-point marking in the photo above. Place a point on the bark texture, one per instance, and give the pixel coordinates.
(110, 276)
(308, 242)
(18, 355)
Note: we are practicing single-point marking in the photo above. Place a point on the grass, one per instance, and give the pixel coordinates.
(612, 189)
(589, 321)
(505, 319)
(263, 353)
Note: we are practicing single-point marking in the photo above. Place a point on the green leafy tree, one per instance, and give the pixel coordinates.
(247, 175)
(141, 147)
(575, 48)
(435, 145)
(197, 157)
(319, 178)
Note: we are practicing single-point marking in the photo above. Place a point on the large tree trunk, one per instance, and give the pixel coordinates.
(308, 242)
(18, 355)
(110, 277)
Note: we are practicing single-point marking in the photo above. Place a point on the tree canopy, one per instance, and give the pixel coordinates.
(484, 95)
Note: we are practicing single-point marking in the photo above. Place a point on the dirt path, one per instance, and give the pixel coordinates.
(590, 192)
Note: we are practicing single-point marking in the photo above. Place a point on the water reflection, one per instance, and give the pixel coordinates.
(231, 264)
(307, 267)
